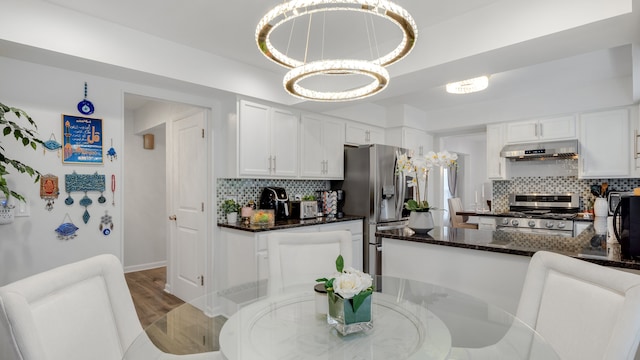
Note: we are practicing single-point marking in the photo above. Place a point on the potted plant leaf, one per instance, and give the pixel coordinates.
(25, 135)
(230, 207)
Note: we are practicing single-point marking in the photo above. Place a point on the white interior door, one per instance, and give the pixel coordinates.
(188, 228)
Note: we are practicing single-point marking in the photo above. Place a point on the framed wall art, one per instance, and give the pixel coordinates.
(82, 141)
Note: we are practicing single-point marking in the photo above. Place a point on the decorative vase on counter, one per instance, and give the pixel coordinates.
(421, 221)
(232, 218)
(601, 207)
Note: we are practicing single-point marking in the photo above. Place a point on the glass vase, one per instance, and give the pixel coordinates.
(344, 319)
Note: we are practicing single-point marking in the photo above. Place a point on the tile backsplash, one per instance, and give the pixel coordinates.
(244, 190)
(553, 185)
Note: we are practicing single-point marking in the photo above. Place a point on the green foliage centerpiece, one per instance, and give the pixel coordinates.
(349, 296)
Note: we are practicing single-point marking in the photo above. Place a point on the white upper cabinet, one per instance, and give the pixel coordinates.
(604, 144)
(268, 141)
(558, 128)
(417, 141)
(361, 134)
(496, 164)
(322, 144)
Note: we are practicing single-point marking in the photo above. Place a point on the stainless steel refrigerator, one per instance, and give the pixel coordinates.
(373, 190)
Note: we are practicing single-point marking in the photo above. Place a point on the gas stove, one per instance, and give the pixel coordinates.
(540, 213)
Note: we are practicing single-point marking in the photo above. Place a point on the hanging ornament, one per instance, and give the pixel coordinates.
(111, 153)
(106, 224)
(85, 106)
(52, 144)
(113, 189)
(49, 190)
(85, 201)
(66, 230)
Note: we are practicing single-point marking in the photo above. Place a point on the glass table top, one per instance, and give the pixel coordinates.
(411, 320)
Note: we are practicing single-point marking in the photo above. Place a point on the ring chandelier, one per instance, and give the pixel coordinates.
(300, 69)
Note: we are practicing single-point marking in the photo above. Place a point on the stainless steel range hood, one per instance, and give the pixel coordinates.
(541, 150)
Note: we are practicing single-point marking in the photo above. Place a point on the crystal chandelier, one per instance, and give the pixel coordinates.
(468, 86)
(301, 69)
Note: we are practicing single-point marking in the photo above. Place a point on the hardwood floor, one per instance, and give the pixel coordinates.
(149, 297)
(185, 331)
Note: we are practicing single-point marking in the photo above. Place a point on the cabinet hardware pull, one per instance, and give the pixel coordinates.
(173, 218)
(274, 164)
(635, 144)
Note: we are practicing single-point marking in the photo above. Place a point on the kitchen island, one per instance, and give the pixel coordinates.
(490, 265)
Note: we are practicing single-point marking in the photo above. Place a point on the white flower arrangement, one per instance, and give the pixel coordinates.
(348, 283)
(418, 168)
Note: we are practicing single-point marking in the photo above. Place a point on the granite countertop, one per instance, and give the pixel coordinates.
(525, 244)
(289, 224)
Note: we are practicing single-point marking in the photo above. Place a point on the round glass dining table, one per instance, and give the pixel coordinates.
(411, 320)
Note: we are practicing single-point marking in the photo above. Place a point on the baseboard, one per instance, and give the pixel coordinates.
(141, 267)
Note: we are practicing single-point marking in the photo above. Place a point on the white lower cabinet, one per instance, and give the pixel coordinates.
(246, 258)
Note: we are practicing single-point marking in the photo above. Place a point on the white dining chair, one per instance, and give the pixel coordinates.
(458, 221)
(296, 260)
(583, 310)
(77, 311)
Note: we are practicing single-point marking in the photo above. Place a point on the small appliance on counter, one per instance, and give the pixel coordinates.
(626, 226)
(275, 198)
(331, 203)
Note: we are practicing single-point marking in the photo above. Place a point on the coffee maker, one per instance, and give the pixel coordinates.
(275, 198)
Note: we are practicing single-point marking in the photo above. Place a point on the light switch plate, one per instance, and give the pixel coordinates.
(22, 208)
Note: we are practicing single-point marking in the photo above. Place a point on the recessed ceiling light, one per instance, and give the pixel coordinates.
(468, 86)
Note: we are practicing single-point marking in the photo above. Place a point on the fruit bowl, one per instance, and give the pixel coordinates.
(263, 217)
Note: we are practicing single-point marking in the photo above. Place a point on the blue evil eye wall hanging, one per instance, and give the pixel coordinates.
(111, 153)
(52, 144)
(85, 106)
(66, 230)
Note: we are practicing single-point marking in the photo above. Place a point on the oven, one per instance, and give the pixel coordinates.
(548, 214)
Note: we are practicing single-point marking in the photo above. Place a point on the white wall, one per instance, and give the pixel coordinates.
(30, 245)
(144, 201)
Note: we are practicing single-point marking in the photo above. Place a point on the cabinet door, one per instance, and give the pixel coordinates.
(420, 142)
(557, 128)
(284, 143)
(496, 165)
(376, 136)
(355, 134)
(312, 163)
(333, 144)
(254, 135)
(604, 144)
(358, 134)
(522, 131)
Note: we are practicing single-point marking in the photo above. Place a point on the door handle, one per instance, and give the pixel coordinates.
(173, 218)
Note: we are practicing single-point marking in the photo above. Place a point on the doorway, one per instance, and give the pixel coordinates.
(148, 186)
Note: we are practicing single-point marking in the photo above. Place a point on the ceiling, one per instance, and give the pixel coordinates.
(526, 47)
